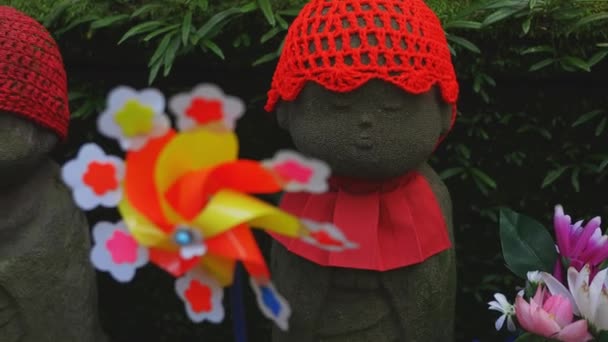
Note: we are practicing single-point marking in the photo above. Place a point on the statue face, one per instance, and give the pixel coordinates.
(23, 145)
(377, 131)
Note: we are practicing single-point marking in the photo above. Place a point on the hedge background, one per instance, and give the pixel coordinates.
(532, 130)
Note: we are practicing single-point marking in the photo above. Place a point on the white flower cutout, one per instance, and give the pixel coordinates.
(299, 173)
(190, 241)
(133, 117)
(326, 236)
(271, 303)
(202, 296)
(116, 251)
(206, 104)
(94, 177)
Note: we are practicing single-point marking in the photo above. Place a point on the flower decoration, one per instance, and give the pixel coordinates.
(134, 117)
(506, 309)
(94, 178)
(188, 202)
(326, 236)
(206, 105)
(271, 303)
(298, 173)
(116, 251)
(202, 296)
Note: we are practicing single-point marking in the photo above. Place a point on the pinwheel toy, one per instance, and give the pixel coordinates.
(186, 200)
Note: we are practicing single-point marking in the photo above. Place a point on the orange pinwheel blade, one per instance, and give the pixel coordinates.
(171, 261)
(140, 185)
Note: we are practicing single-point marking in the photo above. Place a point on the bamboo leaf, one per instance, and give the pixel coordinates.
(464, 43)
(56, 13)
(525, 26)
(597, 57)
(446, 174)
(600, 128)
(586, 117)
(553, 175)
(109, 21)
(588, 20)
(266, 58)
(186, 28)
(574, 178)
(270, 34)
(214, 48)
(139, 29)
(158, 32)
(576, 62)
(160, 49)
(538, 49)
(483, 177)
(463, 24)
(154, 71)
(499, 15)
(170, 54)
(215, 20)
(145, 9)
(266, 8)
(542, 64)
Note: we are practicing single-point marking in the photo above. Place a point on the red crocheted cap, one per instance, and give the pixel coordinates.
(399, 41)
(33, 82)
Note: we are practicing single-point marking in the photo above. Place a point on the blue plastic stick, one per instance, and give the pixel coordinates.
(238, 306)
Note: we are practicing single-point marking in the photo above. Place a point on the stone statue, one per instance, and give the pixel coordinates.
(369, 87)
(47, 285)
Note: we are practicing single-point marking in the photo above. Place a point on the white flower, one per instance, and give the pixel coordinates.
(116, 251)
(299, 173)
(534, 277)
(326, 236)
(206, 104)
(507, 309)
(94, 177)
(202, 296)
(271, 303)
(133, 117)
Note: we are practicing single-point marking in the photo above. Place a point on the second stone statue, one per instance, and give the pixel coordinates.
(369, 87)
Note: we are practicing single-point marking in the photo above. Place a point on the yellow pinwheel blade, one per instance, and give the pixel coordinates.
(144, 231)
(229, 209)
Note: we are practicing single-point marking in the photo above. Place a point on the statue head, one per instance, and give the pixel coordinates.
(34, 111)
(366, 85)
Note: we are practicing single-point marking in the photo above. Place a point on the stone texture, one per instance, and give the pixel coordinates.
(47, 284)
(414, 303)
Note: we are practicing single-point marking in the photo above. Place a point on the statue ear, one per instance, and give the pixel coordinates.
(445, 110)
(283, 115)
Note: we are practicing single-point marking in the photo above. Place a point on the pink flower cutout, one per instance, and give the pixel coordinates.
(298, 173)
(116, 251)
(122, 247)
(326, 236)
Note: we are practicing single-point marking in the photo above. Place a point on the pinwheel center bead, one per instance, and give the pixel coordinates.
(184, 237)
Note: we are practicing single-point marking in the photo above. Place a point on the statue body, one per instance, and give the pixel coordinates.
(377, 133)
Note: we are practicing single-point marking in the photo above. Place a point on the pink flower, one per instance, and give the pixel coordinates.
(581, 245)
(551, 317)
(298, 173)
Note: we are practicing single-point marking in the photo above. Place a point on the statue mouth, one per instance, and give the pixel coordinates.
(365, 142)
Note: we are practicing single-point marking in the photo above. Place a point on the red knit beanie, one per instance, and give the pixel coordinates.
(399, 41)
(33, 82)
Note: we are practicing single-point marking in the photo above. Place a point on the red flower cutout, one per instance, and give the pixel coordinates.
(203, 111)
(123, 248)
(294, 171)
(199, 297)
(101, 177)
(325, 239)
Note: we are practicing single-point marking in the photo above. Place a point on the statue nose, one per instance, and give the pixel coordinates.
(365, 120)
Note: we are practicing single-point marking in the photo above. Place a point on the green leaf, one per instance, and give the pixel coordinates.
(186, 28)
(597, 57)
(446, 174)
(154, 71)
(600, 128)
(483, 177)
(170, 54)
(587, 20)
(270, 34)
(76, 22)
(463, 24)
(538, 49)
(525, 26)
(250, 7)
(160, 31)
(574, 178)
(56, 13)
(266, 8)
(160, 49)
(109, 21)
(266, 58)
(603, 336)
(499, 15)
(216, 20)
(542, 64)
(290, 12)
(553, 175)
(576, 62)
(145, 9)
(282, 23)
(140, 28)
(526, 244)
(586, 117)
(602, 166)
(214, 48)
(465, 43)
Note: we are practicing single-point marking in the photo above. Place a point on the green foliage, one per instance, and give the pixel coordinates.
(526, 244)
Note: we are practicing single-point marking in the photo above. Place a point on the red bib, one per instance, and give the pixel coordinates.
(396, 223)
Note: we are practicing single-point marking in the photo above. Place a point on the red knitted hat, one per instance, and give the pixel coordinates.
(33, 82)
(399, 41)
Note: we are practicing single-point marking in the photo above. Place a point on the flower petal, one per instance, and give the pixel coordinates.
(500, 322)
(575, 332)
(557, 288)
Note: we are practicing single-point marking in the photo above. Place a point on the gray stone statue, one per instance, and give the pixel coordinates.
(369, 88)
(47, 284)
